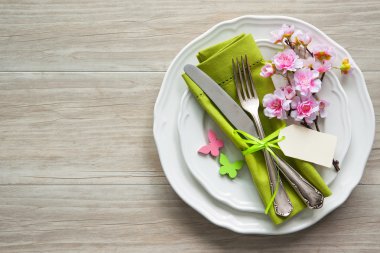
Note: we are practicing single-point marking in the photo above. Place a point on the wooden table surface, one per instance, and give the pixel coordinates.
(79, 170)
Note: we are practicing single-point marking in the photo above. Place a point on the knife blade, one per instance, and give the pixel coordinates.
(231, 110)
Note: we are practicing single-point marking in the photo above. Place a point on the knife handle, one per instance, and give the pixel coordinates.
(309, 194)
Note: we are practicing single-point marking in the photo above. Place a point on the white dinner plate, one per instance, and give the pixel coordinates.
(240, 193)
(167, 140)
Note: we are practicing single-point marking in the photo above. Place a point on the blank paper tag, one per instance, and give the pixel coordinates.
(308, 145)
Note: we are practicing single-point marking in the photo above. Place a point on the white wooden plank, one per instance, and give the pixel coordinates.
(145, 36)
(151, 218)
(78, 128)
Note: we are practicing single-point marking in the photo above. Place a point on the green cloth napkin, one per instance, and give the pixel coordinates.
(216, 62)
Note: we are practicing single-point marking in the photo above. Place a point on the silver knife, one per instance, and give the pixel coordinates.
(235, 114)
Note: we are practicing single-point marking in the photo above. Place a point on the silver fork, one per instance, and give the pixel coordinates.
(250, 102)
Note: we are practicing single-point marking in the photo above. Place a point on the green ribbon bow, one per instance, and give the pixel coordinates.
(267, 143)
(256, 144)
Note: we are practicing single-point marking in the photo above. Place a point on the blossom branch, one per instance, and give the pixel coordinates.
(316, 124)
(307, 49)
(287, 77)
(304, 70)
(323, 75)
(336, 165)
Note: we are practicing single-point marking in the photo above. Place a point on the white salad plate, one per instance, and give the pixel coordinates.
(166, 134)
(241, 193)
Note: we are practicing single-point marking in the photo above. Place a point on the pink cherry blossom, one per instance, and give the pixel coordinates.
(284, 32)
(322, 108)
(306, 81)
(323, 53)
(287, 60)
(267, 70)
(309, 62)
(322, 67)
(289, 92)
(276, 105)
(287, 29)
(304, 108)
(304, 38)
(300, 38)
(277, 36)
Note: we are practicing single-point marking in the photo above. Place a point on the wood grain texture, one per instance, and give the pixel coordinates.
(118, 35)
(151, 218)
(78, 128)
(79, 171)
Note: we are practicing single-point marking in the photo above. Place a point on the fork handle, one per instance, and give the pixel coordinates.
(282, 205)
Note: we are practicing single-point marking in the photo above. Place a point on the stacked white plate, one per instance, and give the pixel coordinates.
(180, 128)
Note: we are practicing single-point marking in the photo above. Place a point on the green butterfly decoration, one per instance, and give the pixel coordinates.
(229, 168)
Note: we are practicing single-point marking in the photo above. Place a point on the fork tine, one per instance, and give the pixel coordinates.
(237, 83)
(247, 82)
(250, 78)
(241, 79)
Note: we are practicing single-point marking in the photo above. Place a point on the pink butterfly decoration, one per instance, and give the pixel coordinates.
(214, 145)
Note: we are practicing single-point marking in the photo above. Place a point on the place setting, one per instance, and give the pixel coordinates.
(263, 124)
